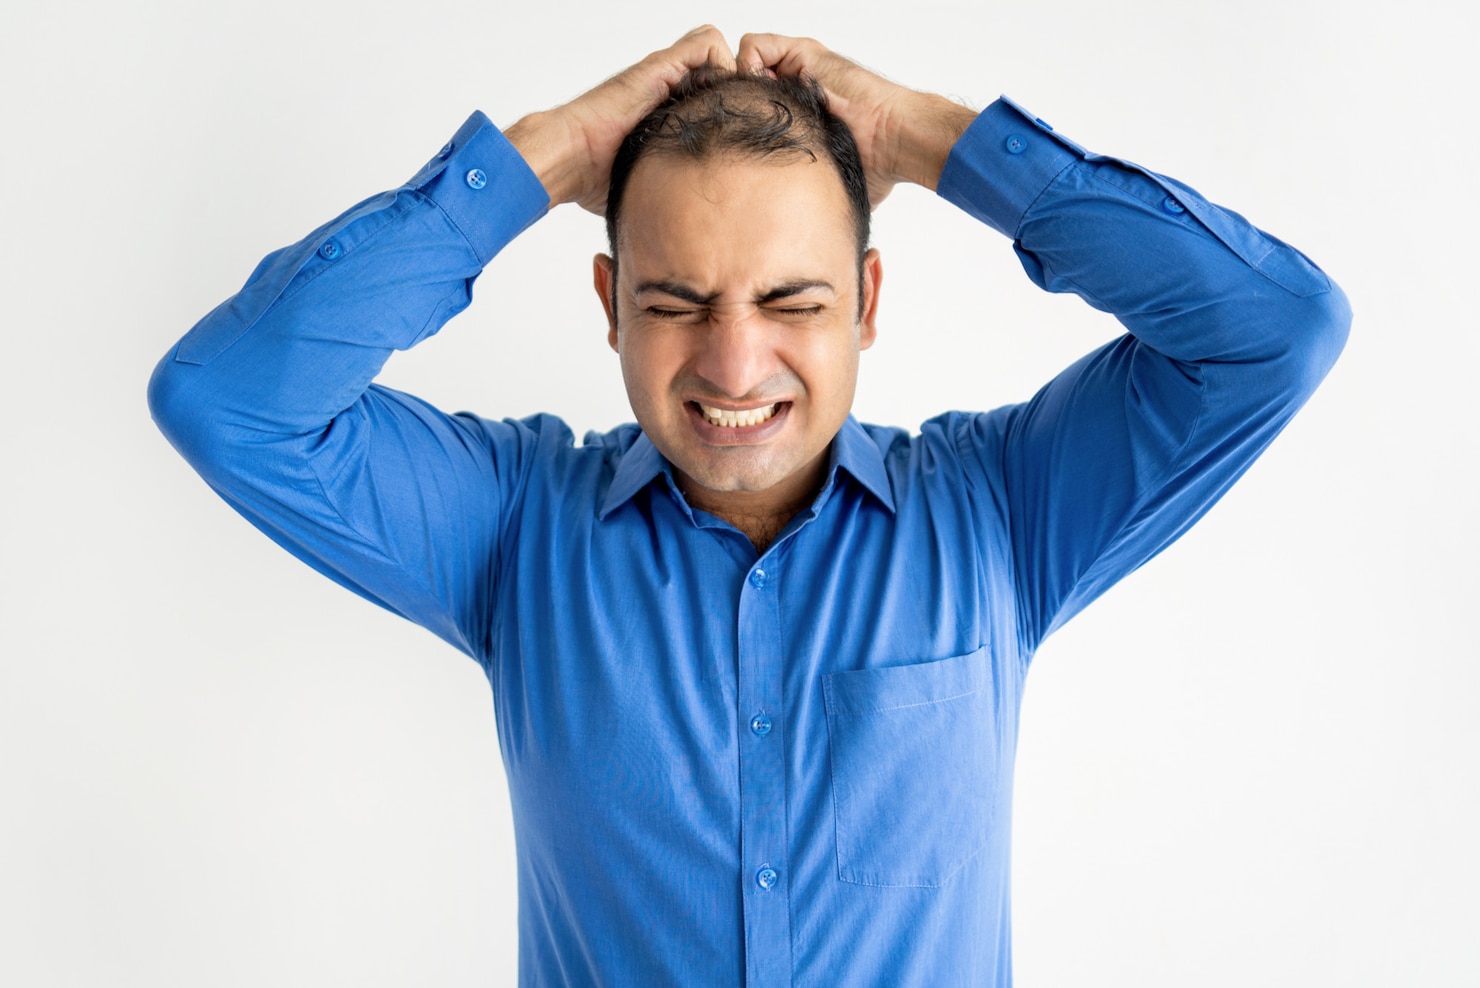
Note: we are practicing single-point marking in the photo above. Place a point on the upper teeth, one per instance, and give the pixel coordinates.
(730, 419)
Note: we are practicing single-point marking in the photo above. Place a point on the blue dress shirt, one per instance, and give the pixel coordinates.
(785, 769)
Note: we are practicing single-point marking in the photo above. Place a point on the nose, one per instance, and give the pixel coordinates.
(736, 353)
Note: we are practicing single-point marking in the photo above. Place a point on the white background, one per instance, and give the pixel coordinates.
(1254, 762)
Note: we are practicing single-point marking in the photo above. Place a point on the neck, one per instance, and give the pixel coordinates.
(759, 515)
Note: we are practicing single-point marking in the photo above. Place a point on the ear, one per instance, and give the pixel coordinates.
(873, 277)
(605, 284)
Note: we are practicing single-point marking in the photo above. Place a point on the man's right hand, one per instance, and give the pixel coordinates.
(571, 147)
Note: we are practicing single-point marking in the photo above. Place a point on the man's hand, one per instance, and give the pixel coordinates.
(571, 147)
(903, 135)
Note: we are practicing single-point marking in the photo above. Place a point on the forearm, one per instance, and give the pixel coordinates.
(1196, 282)
(921, 136)
(316, 321)
(544, 142)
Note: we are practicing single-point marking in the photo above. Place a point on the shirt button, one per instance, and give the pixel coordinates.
(1171, 205)
(1015, 144)
(758, 578)
(760, 724)
(329, 251)
(446, 150)
(476, 179)
(766, 878)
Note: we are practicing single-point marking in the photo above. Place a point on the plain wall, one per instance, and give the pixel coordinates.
(1253, 762)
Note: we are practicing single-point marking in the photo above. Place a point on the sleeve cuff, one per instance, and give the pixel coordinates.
(484, 186)
(1003, 162)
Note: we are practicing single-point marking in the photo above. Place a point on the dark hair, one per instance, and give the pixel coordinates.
(714, 111)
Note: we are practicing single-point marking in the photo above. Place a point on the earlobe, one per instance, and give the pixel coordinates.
(605, 284)
(873, 277)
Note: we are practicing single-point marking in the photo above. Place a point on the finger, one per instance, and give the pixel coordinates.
(778, 54)
(656, 75)
(703, 44)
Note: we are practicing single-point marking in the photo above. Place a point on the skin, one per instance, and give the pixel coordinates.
(738, 289)
(715, 242)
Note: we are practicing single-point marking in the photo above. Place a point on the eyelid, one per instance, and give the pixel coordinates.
(671, 312)
(696, 313)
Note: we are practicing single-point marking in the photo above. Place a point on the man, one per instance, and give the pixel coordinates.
(756, 667)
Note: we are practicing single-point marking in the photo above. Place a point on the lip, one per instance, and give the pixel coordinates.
(740, 435)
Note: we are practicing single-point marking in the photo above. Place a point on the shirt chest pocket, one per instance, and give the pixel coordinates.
(914, 768)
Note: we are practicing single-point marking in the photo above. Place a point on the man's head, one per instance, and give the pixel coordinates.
(740, 288)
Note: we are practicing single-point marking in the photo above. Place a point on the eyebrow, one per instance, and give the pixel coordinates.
(685, 293)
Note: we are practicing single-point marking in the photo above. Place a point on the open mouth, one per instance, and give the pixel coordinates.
(726, 418)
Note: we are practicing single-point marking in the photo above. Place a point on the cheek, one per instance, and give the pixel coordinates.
(650, 362)
(828, 367)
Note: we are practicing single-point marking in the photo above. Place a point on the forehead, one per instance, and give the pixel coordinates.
(686, 216)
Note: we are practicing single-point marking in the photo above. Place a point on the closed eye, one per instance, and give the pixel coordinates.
(695, 315)
(662, 312)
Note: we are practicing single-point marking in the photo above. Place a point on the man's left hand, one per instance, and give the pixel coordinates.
(903, 135)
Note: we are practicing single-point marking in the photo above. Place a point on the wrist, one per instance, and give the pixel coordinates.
(922, 136)
(543, 140)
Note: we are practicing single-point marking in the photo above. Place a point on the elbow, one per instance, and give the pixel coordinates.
(176, 405)
(1330, 327)
(1316, 331)
(165, 394)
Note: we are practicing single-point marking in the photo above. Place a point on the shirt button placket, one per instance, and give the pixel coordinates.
(763, 849)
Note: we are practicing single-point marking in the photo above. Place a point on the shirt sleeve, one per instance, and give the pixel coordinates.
(1229, 332)
(269, 397)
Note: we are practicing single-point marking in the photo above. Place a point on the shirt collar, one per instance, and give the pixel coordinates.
(855, 451)
(637, 468)
(852, 450)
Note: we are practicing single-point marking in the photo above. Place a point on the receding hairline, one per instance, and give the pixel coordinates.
(726, 157)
